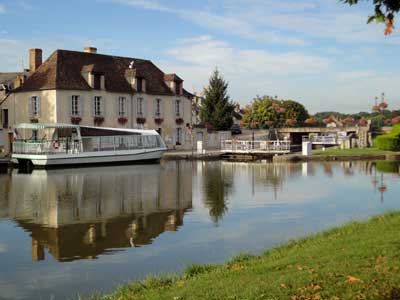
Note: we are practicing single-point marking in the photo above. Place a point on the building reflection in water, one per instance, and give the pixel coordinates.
(82, 213)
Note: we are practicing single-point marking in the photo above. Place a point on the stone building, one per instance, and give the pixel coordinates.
(93, 89)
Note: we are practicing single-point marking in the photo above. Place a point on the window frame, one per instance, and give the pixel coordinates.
(121, 104)
(140, 107)
(178, 107)
(75, 105)
(34, 104)
(158, 109)
(97, 106)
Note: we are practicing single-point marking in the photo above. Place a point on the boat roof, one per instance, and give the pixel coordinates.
(36, 126)
(140, 131)
(44, 125)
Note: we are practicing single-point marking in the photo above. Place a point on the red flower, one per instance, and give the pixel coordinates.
(311, 121)
(179, 121)
(76, 120)
(122, 120)
(396, 120)
(98, 120)
(158, 121)
(363, 122)
(291, 122)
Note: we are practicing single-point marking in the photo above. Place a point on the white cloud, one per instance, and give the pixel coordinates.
(145, 4)
(249, 71)
(2, 8)
(221, 22)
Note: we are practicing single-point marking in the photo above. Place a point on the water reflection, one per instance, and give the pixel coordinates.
(82, 213)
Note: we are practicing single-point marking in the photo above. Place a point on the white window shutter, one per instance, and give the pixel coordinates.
(70, 105)
(117, 107)
(162, 108)
(103, 106)
(174, 108)
(39, 106)
(155, 108)
(30, 106)
(144, 107)
(81, 106)
(93, 105)
(182, 109)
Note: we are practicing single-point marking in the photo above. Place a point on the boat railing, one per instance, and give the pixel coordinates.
(87, 144)
(46, 146)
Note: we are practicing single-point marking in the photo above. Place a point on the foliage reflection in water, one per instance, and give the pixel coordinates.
(160, 218)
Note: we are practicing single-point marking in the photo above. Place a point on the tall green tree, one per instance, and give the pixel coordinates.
(217, 109)
(384, 12)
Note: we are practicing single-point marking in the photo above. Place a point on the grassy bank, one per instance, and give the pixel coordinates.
(354, 151)
(356, 261)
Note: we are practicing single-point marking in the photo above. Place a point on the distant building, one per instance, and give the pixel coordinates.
(93, 89)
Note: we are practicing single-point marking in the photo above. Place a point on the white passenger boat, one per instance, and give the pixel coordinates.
(44, 145)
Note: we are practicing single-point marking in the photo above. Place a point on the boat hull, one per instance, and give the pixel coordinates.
(87, 158)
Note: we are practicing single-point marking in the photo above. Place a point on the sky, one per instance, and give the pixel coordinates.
(318, 52)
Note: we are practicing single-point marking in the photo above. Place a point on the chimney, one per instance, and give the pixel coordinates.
(35, 59)
(90, 50)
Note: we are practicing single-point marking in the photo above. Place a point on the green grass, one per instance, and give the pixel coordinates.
(354, 151)
(355, 261)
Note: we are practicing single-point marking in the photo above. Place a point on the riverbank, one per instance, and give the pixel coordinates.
(341, 155)
(355, 261)
(192, 155)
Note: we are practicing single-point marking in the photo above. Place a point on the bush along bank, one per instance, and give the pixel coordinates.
(355, 261)
(389, 141)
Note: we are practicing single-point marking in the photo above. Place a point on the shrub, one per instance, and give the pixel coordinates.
(390, 141)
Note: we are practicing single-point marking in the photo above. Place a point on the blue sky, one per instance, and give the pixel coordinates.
(318, 52)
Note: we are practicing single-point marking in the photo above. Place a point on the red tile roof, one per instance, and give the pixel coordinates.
(63, 70)
(172, 77)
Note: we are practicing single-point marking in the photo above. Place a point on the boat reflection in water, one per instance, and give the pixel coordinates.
(82, 213)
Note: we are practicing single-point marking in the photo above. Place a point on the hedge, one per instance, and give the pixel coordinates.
(390, 141)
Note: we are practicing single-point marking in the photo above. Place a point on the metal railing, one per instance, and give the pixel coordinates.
(87, 144)
(255, 146)
(46, 147)
(322, 139)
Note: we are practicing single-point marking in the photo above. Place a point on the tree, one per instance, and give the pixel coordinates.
(266, 111)
(216, 108)
(384, 12)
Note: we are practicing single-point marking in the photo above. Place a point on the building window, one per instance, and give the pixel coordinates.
(5, 118)
(177, 88)
(178, 136)
(158, 108)
(139, 85)
(178, 107)
(97, 81)
(75, 111)
(140, 103)
(97, 106)
(121, 107)
(34, 106)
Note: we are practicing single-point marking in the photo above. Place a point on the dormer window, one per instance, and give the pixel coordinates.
(177, 88)
(97, 81)
(139, 85)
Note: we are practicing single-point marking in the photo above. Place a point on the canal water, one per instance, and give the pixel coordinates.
(65, 233)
